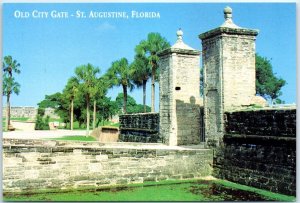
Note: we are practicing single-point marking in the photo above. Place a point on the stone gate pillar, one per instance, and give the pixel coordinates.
(179, 94)
(229, 73)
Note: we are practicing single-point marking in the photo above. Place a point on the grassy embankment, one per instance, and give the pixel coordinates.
(176, 190)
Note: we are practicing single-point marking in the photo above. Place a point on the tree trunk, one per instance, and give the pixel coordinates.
(87, 117)
(72, 114)
(144, 95)
(125, 98)
(7, 122)
(94, 115)
(153, 90)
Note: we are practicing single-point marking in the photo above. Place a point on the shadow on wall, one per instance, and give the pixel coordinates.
(141, 127)
(190, 125)
(259, 150)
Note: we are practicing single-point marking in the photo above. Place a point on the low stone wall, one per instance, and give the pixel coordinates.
(259, 150)
(143, 127)
(28, 112)
(21, 112)
(34, 165)
(106, 134)
(271, 122)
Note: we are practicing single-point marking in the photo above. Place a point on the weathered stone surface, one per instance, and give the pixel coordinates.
(106, 134)
(229, 74)
(269, 122)
(180, 94)
(259, 150)
(28, 112)
(143, 127)
(94, 164)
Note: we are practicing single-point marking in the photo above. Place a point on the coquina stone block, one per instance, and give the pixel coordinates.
(95, 164)
(180, 101)
(229, 73)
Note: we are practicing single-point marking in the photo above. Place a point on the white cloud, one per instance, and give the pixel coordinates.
(105, 26)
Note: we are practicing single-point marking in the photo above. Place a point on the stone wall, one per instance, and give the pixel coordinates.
(34, 165)
(142, 127)
(28, 112)
(21, 111)
(259, 150)
(276, 122)
(229, 73)
(106, 134)
(180, 94)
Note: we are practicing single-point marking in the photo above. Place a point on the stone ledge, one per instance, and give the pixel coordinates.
(139, 129)
(179, 51)
(259, 139)
(230, 31)
(46, 144)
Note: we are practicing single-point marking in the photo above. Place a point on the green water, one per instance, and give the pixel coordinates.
(180, 191)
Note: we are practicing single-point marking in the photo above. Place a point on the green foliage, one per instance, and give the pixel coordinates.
(120, 74)
(132, 106)
(267, 84)
(59, 102)
(87, 78)
(10, 66)
(10, 86)
(71, 88)
(20, 119)
(50, 101)
(150, 48)
(41, 123)
(141, 72)
(106, 109)
(141, 69)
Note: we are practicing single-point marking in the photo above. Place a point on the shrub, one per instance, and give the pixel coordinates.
(41, 123)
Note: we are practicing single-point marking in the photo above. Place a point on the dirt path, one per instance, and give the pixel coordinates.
(41, 134)
(25, 130)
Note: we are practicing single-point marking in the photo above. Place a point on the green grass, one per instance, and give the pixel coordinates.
(191, 190)
(74, 138)
(83, 127)
(268, 194)
(19, 119)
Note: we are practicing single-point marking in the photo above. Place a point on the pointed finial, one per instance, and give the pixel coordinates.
(228, 18)
(227, 13)
(179, 34)
(179, 43)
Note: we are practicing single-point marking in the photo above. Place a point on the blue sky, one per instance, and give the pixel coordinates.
(50, 49)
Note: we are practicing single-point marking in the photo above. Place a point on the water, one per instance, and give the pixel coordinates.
(180, 191)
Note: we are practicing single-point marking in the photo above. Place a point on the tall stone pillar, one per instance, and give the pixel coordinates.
(179, 95)
(229, 73)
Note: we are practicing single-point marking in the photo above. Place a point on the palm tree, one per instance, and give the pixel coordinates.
(10, 86)
(70, 91)
(150, 47)
(87, 76)
(119, 74)
(141, 72)
(99, 91)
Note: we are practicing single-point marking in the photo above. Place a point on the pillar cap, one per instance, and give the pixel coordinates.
(228, 27)
(179, 43)
(179, 47)
(228, 31)
(228, 18)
